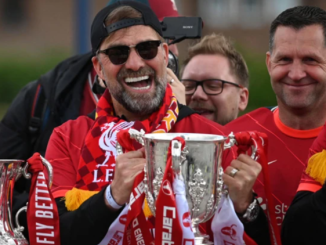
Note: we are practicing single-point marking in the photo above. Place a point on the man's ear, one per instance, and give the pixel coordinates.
(165, 47)
(98, 68)
(244, 98)
(268, 62)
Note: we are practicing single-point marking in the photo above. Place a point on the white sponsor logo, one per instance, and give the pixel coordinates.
(166, 188)
(140, 188)
(280, 210)
(167, 225)
(137, 232)
(43, 210)
(272, 162)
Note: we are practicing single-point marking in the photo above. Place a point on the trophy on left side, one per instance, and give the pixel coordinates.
(10, 171)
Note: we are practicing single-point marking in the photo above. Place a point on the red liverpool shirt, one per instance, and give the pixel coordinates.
(287, 155)
(67, 140)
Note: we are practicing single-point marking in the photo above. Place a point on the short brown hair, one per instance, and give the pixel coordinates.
(219, 44)
(298, 18)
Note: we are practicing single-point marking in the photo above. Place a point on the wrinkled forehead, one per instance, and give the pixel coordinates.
(310, 36)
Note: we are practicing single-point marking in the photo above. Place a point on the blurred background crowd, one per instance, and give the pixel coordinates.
(35, 35)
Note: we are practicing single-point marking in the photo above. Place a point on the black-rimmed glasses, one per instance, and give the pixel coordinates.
(118, 55)
(210, 86)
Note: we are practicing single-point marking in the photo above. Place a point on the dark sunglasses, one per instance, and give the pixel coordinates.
(118, 55)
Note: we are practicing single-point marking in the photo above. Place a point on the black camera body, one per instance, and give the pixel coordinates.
(180, 28)
(176, 29)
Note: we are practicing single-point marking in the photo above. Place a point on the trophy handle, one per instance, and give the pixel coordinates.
(19, 227)
(138, 136)
(48, 166)
(24, 172)
(233, 141)
(178, 156)
(134, 134)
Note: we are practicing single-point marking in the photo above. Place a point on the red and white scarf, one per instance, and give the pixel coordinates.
(97, 161)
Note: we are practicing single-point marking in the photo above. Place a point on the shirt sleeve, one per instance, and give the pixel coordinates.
(307, 183)
(63, 153)
(90, 222)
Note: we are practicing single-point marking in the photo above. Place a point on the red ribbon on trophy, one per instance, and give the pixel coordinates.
(136, 228)
(245, 141)
(42, 213)
(168, 229)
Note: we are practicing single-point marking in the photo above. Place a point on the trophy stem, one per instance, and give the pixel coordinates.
(200, 239)
(8, 235)
(5, 225)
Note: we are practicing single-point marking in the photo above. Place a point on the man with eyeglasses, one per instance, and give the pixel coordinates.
(216, 79)
(91, 183)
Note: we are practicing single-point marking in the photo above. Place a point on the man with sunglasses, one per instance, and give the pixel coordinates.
(69, 90)
(216, 79)
(91, 183)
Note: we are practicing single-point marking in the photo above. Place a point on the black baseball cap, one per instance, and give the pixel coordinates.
(99, 31)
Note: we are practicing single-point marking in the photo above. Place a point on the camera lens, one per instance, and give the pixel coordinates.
(173, 63)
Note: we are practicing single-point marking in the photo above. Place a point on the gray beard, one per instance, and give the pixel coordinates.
(140, 104)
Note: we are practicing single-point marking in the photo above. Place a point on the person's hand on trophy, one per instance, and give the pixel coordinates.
(128, 166)
(240, 177)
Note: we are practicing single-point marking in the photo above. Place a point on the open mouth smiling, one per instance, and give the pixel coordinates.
(139, 83)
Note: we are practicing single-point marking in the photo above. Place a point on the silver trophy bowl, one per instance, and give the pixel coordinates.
(10, 171)
(199, 164)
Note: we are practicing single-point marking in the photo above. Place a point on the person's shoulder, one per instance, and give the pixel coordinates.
(262, 112)
(75, 59)
(78, 126)
(254, 116)
(68, 64)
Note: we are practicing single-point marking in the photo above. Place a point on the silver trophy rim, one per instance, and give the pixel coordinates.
(187, 136)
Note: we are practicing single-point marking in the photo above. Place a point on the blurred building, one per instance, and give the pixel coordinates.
(247, 22)
(41, 25)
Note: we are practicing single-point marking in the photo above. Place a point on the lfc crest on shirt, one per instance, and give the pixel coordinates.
(107, 143)
(108, 139)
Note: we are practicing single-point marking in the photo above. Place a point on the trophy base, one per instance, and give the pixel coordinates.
(202, 240)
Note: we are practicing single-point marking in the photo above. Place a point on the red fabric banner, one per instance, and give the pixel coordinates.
(136, 229)
(260, 141)
(42, 212)
(168, 229)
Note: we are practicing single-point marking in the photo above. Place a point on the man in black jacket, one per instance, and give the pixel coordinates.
(27, 125)
(69, 90)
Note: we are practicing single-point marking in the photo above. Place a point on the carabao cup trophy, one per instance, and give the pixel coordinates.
(10, 171)
(199, 164)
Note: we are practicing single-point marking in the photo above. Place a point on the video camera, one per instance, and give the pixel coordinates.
(177, 29)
